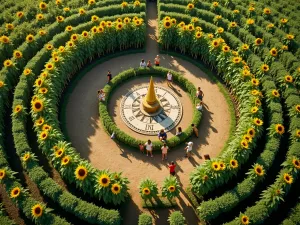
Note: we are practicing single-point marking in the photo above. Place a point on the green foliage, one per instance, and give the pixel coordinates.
(145, 219)
(171, 187)
(176, 218)
(148, 189)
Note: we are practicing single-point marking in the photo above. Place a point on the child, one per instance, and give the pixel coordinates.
(148, 146)
(179, 131)
(188, 149)
(101, 95)
(200, 94)
(195, 130)
(149, 64)
(141, 148)
(172, 168)
(164, 150)
(169, 78)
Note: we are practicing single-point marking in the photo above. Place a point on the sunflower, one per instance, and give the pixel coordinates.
(244, 144)
(115, 189)
(284, 47)
(288, 178)
(119, 26)
(236, 11)
(296, 163)
(233, 163)
(61, 49)
(146, 191)
(255, 81)
(173, 21)
(258, 169)
(232, 24)
(91, 2)
(215, 43)
(69, 28)
(100, 29)
(15, 192)
(275, 93)
(190, 27)
(215, 4)
(288, 79)
(29, 38)
(39, 17)
(220, 30)
(255, 92)
(95, 18)
(225, 48)
(55, 147)
(297, 107)
(298, 133)
(251, 9)
(85, 34)
(290, 36)
(222, 166)
(265, 68)
(1, 84)
(39, 122)
(60, 19)
(258, 122)
(26, 157)
(49, 66)
(18, 108)
(210, 36)
(195, 19)
(245, 220)
(37, 211)
(59, 153)
(43, 5)
(94, 29)
(74, 37)
(251, 132)
(254, 109)
(167, 24)
(4, 39)
(190, 6)
(37, 105)
(46, 127)
(257, 102)
(267, 11)
(81, 173)
(20, 14)
(119, 20)
(44, 135)
(198, 34)
(215, 166)
(205, 178)
(65, 160)
(58, 2)
(81, 11)
(9, 26)
(279, 128)
(171, 188)
(284, 20)
(124, 4)
(38, 82)
(218, 17)
(49, 47)
(8, 63)
(109, 23)
(246, 73)
(236, 60)
(104, 180)
(42, 32)
(2, 174)
(234, 53)
(273, 52)
(137, 3)
(70, 44)
(258, 41)
(250, 21)
(126, 20)
(66, 9)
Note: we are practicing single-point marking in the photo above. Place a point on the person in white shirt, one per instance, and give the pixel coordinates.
(148, 146)
(169, 78)
(188, 149)
(199, 106)
(101, 95)
(143, 64)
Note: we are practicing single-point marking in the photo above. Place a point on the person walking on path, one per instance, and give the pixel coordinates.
(164, 151)
(188, 149)
(148, 146)
(172, 168)
(157, 60)
(195, 130)
(169, 78)
(143, 64)
(149, 64)
(200, 94)
(109, 76)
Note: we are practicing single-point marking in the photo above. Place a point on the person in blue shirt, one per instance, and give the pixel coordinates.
(162, 135)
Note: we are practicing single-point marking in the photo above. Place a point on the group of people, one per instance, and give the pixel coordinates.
(143, 63)
(101, 93)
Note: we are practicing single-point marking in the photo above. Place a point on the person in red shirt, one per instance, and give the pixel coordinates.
(172, 168)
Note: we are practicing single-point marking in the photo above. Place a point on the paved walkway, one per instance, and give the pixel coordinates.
(89, 138)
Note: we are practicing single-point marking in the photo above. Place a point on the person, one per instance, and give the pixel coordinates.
(179, 131)
(143, 64)
(162, 135)
(164, 151)
(195, 130)
(172, 168)
(157, 60)
(200, 94)
(141, 147)
(169, 78)
(148, 146)
(188, 149)
(149, 64)
(101, 95)
(199, 106)
(109, 76)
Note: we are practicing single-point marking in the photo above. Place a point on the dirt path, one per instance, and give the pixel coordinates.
(89, 138)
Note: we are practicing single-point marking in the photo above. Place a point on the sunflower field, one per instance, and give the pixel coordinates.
(254, 48)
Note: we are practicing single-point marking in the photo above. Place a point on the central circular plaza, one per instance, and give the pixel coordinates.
(137, 119)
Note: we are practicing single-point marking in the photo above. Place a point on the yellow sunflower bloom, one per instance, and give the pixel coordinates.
(288, 79)
(233, 163)
(171, 188)
(167, 24)
(250, 21)
(37, 105)
(251, 9)
(244, 144)
(198, 34)
(9, 26)
(279, 128)
(81, 11)
(115, 189)
(273, 52)
(95, 18)
(215, 4)
(2, 174)
(104, 180)
(119, 26)
(275, 93)
(39, 122)
(43, 135)
(254, 109)
(236, 11)
(215, 43)
(136, 3)
(146, 191)
(65, 160)
(4, 39)
(100, 29)
(245, 220)
(284, 20)
(267, 11)
(218, 17)
(37, 211)
(257, 102)
(297, 107)
(49, 66)
(225, 48)
(220, 30)
(59, 153)
(69, 28)
(85, 34)
(66, 9)
(190, 27)
(42, 32)
(205, 178)
(190, 6)
(91, 2)
(210, 36)
(284, 47)
(18, 108)
(270, 25)
(26, 157)
(15, 192)
(39, 17)
(43, 5)
(46, 127)
(288, 178)
(259, 170)
(251, 132)
(60, 19)
(255, 81)
(20, 14)
(222, 166)
(296, 163)
(124, 4)
(290, 36)
(81, 173)
(126, 20)
(265, 68)
(29, 38)
(1, 84)
(215, 166)
(58, 2)
(258, 122)
(232, 24)
(258, 41)
(236, 60)
(7, 63)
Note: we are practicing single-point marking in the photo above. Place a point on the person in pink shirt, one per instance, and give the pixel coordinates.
(141, 147)
(164, 151)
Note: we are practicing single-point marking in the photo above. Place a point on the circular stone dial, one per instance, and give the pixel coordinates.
(137, 119)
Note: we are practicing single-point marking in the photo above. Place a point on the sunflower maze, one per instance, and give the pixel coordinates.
(254, 48)
(252, 45)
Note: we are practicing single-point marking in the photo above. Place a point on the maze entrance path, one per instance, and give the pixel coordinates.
(89, 138)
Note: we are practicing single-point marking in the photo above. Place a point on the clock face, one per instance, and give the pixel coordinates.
(137, 119)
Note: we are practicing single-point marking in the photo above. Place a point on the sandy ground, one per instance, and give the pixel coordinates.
(89, 138)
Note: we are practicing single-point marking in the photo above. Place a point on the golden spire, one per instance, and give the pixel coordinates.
(150, 102)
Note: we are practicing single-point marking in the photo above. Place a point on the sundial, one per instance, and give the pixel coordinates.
(148, 109)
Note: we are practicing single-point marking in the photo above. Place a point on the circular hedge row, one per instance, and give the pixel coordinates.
(120, 135)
